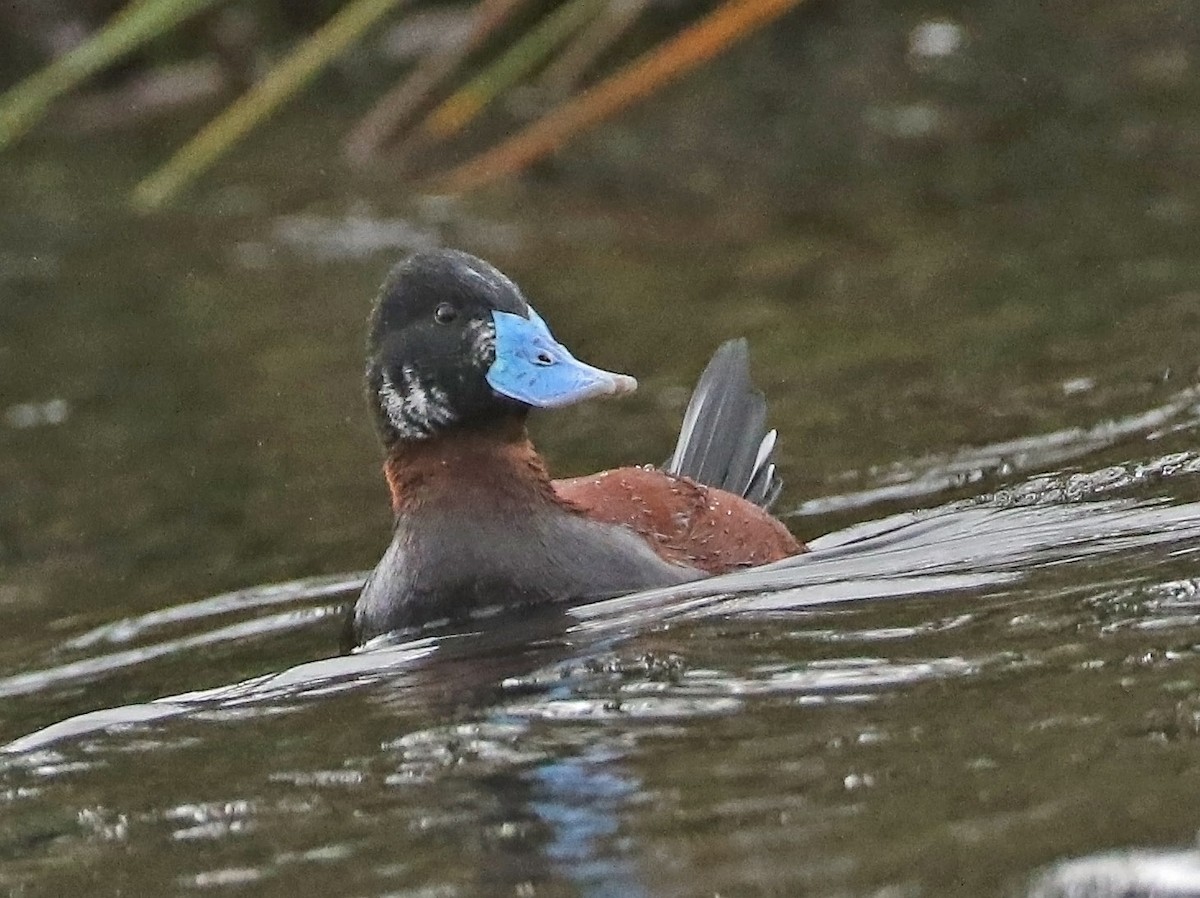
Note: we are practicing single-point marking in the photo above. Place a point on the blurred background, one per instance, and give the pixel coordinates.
(942, 225)
(926, 218)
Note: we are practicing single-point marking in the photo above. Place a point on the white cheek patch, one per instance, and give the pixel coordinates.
(415, 409)
(481, 342)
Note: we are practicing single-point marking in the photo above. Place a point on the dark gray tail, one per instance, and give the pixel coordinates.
(724, 441)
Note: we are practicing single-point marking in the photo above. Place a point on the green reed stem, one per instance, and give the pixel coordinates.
(280, 84)
(25, 104)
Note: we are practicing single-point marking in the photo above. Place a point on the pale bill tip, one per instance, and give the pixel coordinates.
(622, 384)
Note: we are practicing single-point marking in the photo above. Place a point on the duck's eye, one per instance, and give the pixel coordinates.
(544, 358)
(445, 313)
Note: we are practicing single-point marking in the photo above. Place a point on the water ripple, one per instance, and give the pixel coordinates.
(926, 476)
(950, 549)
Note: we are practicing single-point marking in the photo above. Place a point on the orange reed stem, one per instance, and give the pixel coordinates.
(699, 42)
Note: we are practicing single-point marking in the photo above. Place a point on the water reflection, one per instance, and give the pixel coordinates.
(938, 232)
(959, 547)
(527, 734)
(581, 801)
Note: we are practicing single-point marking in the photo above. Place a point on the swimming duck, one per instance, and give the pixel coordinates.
(456, 358)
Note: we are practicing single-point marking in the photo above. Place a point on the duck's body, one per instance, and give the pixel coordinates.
(479, 524)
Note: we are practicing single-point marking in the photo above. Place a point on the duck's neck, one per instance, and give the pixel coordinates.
(476, 468)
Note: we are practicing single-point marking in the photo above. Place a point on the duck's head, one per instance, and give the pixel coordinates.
(453, 344)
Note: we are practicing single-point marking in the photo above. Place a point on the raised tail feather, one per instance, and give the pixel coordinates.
(724, 441)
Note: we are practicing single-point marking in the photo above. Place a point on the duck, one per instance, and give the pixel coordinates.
(457, 358)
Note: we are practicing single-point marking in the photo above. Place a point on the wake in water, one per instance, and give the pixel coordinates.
(988, 541)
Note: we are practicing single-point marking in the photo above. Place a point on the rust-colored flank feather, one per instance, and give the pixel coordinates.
(683, 521)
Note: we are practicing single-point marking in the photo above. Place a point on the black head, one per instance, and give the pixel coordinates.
(431, 342)
(453, 343)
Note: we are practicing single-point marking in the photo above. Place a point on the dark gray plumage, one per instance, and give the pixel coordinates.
(724, 441)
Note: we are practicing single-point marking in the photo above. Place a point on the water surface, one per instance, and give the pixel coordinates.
(970, 286)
